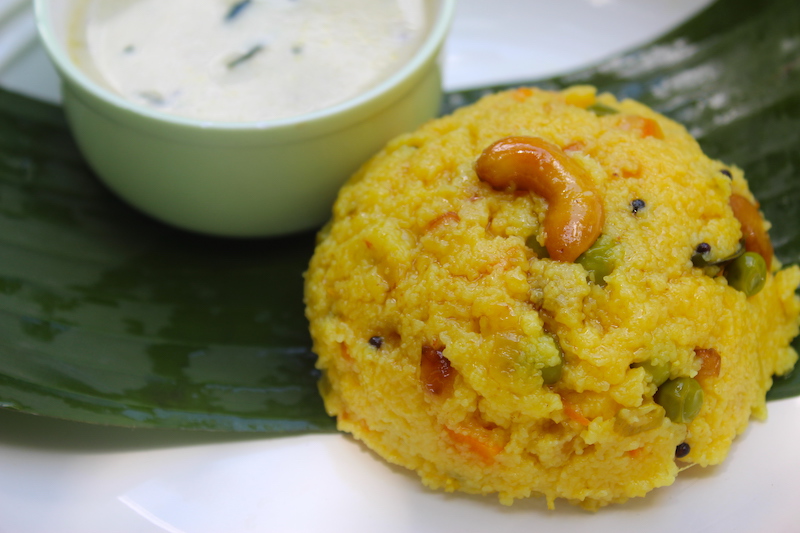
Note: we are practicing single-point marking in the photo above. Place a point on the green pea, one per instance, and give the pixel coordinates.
(602, 110)
(540, 251)
(551, 374)
(657, 370)
(599, 259)
(747, 273)
(681, 398)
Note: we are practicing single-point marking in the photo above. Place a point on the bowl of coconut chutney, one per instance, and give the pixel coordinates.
(241, 118)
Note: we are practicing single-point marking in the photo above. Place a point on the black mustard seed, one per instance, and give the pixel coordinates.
(682, 450)
(376, 341)
(637, 205)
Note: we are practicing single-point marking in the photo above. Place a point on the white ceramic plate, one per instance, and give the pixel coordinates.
(65, 477)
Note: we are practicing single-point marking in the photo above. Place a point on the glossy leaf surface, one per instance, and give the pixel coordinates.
(109, 317)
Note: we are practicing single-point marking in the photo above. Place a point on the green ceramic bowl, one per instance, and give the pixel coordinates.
(249, 179)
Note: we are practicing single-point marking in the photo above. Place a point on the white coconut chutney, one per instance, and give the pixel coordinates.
(243, 61)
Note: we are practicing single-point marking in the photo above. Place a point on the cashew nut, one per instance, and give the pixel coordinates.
(755, 236)
(574, 215)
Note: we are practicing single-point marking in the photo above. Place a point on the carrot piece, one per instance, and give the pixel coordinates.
(522, 94)
(635, 453)
(481, 447)
(573, 412)
(650, 128)
(647, 127)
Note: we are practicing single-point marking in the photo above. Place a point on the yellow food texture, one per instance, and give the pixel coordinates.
(423, 259)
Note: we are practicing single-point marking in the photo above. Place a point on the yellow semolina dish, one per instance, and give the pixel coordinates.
(549, 294)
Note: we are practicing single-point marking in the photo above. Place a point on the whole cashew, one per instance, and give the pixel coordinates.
(755, 236)
(574, 215)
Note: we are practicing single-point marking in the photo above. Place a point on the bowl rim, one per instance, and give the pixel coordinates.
(425, 53)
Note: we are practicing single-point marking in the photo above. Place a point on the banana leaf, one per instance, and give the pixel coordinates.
(109, 317)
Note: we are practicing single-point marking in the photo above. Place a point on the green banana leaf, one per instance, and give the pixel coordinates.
(109, 317)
